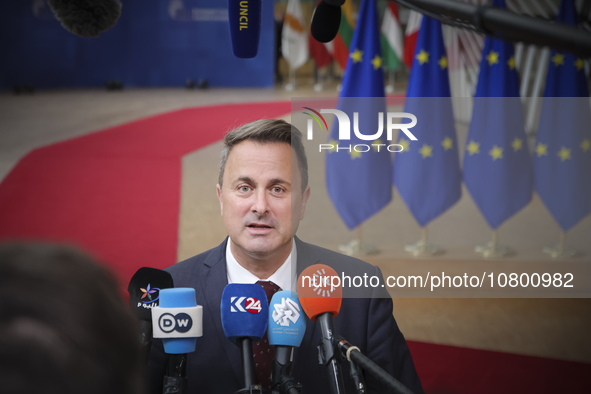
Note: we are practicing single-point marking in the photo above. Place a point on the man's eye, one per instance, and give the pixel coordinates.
(277, 189)
(244, 188)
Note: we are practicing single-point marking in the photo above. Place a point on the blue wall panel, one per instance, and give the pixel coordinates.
(154, 43)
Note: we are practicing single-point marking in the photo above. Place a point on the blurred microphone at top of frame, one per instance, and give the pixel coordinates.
(245, 27)
(86, 18)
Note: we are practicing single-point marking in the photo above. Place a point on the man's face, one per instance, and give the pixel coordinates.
(261, 203)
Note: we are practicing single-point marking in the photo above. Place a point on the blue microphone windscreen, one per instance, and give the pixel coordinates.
(245, 26)
(287, 324)
(245, 311)
(180, 297)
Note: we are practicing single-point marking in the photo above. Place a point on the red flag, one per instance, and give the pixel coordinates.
(410, 37)
(319, 52)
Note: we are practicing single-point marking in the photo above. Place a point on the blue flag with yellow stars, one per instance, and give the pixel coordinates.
(358, 170)
(497, 165)
(562, 153)
(427, 171)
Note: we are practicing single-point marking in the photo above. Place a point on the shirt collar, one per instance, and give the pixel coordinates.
(285, 276)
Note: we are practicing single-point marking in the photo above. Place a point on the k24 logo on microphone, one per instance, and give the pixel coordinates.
(245, 304)
(287, 312)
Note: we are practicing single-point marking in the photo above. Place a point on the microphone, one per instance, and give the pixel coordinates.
(144, 294)
(326, 21)
(321, 301)
(353, 354)
(178, 321)
(245, 26)
(286, 330)
(86, 18)
(245, 312)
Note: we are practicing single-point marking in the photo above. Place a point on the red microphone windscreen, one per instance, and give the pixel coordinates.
(320, 291)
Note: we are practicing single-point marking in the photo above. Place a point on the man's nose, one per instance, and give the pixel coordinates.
(260, 203)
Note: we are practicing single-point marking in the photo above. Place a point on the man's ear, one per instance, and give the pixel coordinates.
(305, 197)
(218, 190)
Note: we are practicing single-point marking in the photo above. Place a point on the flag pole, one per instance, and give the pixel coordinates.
(494, 240)
(390, 87)
(493, 249)
(357, 247)
(423, 247)
(320, 77)
(560, 250)
(424, 234)
(292, 80)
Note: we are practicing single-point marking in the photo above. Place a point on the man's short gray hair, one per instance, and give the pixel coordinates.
(266, 131)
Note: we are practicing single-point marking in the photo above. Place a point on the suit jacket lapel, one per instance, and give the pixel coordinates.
(213, 280)
(305, 256)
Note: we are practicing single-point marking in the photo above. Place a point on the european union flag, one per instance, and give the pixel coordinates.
(427, 172)
(562, 157)
(497, 165)
(358, 170)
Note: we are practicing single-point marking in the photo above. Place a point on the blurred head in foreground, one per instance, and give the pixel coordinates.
(64, 327)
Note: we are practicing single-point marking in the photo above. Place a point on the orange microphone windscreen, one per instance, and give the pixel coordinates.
(320, 291)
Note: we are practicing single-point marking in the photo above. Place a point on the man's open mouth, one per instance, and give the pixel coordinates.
(255, 225)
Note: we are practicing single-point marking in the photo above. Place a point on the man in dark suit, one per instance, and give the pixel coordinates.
(263, 190)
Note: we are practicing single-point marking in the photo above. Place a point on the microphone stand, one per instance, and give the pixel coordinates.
(353, 354)
(328, 356)
(505, 24)
(282, 382)
(145, 339)
(357, 377)
(248, 366)
(175, 381)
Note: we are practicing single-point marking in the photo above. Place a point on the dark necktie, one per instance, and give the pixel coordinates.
(263, 353)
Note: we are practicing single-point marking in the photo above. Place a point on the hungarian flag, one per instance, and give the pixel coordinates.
(391, 38)
(343, 39)
(410, 37)
(294, 43)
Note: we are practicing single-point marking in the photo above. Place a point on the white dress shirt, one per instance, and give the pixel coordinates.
(285, 277)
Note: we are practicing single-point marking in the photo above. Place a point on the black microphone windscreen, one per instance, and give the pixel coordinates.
(325, 22)
(86, 18)
(337, 3)
(144, 290)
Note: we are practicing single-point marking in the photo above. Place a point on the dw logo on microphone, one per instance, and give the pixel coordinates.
(180, 322)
